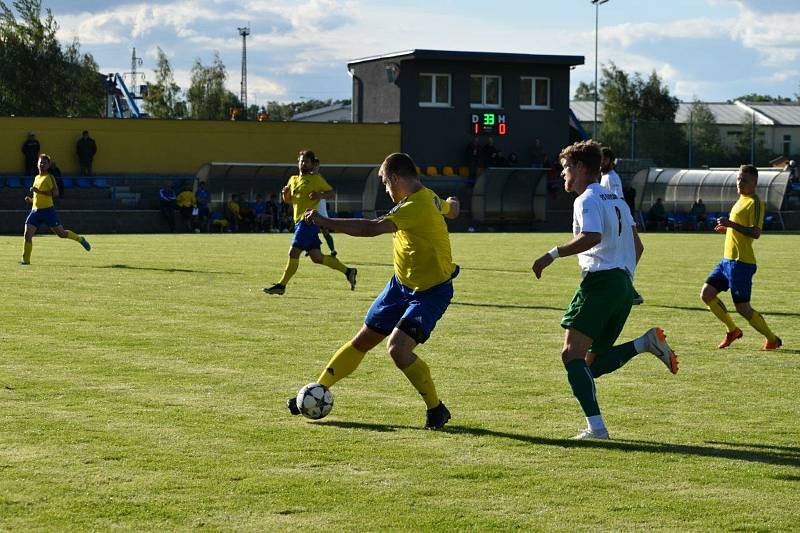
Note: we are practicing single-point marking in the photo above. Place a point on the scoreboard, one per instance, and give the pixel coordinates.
(488, 123)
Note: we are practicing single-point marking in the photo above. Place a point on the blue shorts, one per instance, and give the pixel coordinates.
(412, 312)
(306, 236)
(736, 275)
(39, 217)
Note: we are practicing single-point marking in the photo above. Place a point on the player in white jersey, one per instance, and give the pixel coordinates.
(611, 181)
(608, 248)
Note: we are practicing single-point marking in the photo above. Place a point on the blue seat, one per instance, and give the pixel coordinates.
(2, 182)
(101, 183)
(84, 183)
(68, 183)
(14, 182)
(27, 181)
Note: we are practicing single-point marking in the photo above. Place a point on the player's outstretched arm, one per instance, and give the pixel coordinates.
(637, 244)
(580, 243)
(357, 227)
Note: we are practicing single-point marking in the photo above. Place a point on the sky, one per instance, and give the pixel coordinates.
(712, 50)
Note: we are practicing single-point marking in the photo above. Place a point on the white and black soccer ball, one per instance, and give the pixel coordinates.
(315, 401)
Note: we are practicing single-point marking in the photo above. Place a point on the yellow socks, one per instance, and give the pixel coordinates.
(331, 262)
(74, 236)
(289, 271)
(718, 308)
(341, 365)
(26, 251)
(419, 375)
(760, 325)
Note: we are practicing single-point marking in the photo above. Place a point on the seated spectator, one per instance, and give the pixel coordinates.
(698, 214)
(274, 208)
(233, 213)
(262, 220)
(657, 216)
(248, 215)
(285, 218)
(500, 159)
(187, 203)
(217, 220)
(489, 153)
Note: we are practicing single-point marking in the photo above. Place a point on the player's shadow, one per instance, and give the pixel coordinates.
(186, 270)
(777, 455)
(705, 310)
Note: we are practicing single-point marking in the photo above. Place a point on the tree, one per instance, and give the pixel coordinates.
(37, 76)
(207, 96)
(754, 97)
(704, 136)
(162, 98)
(584, 92)
(640, 111)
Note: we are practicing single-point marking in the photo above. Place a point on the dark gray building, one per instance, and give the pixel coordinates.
(443, 99)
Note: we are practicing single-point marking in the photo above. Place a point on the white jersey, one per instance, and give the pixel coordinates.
(598, 210)
(322, 207)
(613, 183)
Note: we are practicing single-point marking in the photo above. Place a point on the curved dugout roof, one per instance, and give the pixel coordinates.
(679, 188)
(510, 195)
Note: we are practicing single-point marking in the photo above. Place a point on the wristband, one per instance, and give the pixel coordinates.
(554, 252)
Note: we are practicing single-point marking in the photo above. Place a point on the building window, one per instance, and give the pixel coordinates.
(434, 90)
(534, 93)
(484, 91)
(787, 145)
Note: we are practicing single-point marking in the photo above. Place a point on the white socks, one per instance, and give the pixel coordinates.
(596, 423)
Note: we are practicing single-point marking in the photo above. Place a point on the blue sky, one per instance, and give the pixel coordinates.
(710, 49)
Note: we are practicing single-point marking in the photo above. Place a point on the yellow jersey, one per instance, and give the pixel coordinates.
(186, 199)
(44, 183)
(421, 244)
(299, 189)
(748, 211)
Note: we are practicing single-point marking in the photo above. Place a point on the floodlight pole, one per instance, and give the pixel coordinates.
(597, 4)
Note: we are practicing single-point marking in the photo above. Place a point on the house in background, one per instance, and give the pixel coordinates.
(443, 99)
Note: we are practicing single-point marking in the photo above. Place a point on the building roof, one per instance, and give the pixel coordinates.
(331, 113)
(726, 113)
(491, 57)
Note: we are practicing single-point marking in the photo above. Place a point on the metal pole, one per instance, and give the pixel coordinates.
(691, 117)
(596, 27)
(753, 139)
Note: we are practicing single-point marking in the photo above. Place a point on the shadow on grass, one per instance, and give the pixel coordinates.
(128, 267)
(463, 268)
(754, 456)
(509, 306)
(791, 449)
(705, 310)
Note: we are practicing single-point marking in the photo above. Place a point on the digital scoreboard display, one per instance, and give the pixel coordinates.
(488, 124)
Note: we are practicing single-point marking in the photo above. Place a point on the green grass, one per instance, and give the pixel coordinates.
(142, 387)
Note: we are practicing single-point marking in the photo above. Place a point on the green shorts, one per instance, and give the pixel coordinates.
(600, 308)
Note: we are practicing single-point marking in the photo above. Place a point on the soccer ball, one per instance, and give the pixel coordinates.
(315, 401)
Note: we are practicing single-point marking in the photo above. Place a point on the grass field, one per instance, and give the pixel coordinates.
(142, 387)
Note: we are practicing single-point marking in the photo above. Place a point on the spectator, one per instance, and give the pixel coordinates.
(500, 159)
(792, 168)
(285, 220)
(513, 159)
(274, 209)
(538, 156)
(187, 203)
(630, 198)
(554, 181)
(167, 202)
(30, 149)
(698, 213)
(473, 156)
(233, 213)
(247, 215)
(86, 149)
(203, 197)
(657, 216)
(489, 153)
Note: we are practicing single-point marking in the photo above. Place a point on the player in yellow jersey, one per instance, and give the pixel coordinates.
(43, 212)
(304, 191)
(419, 292)
(738, 266)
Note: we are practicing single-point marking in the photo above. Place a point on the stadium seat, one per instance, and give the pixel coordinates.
(84, 183)
(463, 172)
(448, 171)
(14, 182)
(68, 183)
(27, 182)
(101, 183)
(431, 171)
(419, 171)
